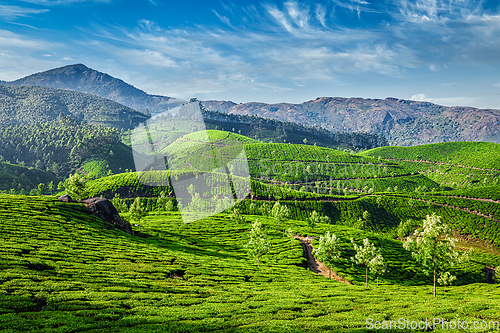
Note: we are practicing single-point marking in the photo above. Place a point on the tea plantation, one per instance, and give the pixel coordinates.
(63, 270)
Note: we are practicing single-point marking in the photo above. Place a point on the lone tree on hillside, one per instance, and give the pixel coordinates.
(42, 188)
(365, 255)
(316, 218)
(466, 258)
(265, 210)
(76, 187)
(51, 187)
(119, 204)
(446, 279)
(378, 265)
(138, 211)
(258, 244)
(237, 217)
(162, 202)
(281, 213)
(433, 246)
(328, 251)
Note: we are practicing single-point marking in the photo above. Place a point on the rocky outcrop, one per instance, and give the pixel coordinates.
(65, 198)
(104, 209)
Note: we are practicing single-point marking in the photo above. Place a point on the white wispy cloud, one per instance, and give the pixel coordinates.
(272, 46)
(12, 12)
(150, 57)
(21, 55)
(62, 2)
(12, 41)
(302, 49)
(447, 101)
(448, 31)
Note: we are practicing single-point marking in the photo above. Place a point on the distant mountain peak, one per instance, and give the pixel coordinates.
(81, 78)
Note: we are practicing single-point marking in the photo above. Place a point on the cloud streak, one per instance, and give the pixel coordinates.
(13, 12)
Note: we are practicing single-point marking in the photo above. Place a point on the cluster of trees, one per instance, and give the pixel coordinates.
(432, 245)
(59, 146)
(254, 126)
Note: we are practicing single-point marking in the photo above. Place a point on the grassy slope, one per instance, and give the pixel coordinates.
(64, 270)
(453, 164)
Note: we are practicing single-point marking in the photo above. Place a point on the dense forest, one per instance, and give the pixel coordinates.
(59, 146)
(33, 104)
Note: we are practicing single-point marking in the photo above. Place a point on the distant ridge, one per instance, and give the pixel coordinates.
(405, 122)
(80, 78)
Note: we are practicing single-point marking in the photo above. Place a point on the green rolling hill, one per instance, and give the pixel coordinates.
(318, 169)
(457, 165)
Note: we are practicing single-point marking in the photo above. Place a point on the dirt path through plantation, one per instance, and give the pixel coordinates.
(314, 265)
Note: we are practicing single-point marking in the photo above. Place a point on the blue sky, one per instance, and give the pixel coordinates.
(447, 52)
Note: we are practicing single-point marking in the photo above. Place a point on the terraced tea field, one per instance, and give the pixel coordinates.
(64, 270)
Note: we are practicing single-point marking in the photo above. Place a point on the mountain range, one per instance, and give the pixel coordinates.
(404, 122)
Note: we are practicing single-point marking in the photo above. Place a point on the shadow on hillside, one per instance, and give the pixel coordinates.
(189, 244)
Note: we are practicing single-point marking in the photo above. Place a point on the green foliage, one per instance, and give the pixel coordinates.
(237, 217)
(446, 278)
(115, 157)
(63, 269)
(405, 228)
(377, 265)
(465, 165)
(76, 187)
(119, 204)
(138, 211)
(258, 244)
(51, 187)
(368, 256)
(281, 214)
(164, 204)
(433, 246)
(316, 218)
(21, 177)
(42, 188)
(272, 130)
(59, 145)
(328, 251)
(290, 235)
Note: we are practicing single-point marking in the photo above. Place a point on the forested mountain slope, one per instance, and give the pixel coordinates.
(59, 146)
(34, 104)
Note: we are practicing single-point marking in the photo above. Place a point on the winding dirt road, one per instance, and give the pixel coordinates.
(314, 265)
